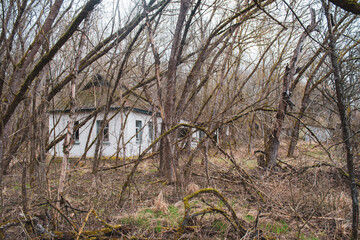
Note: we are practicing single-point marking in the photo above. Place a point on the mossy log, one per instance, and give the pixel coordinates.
(112, 232)
(104, 233)
(232, 217)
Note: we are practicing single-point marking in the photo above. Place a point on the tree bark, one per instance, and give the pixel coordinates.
(304, 105)
(45, 59)
(168, 161)
(69, 140)
(272, 146)
(345, 123)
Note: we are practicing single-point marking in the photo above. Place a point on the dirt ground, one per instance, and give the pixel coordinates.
(301, 200)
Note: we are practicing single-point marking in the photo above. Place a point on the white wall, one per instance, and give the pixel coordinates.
(323, 134)
(116, 144)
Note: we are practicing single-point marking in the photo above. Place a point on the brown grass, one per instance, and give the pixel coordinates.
(313, 205)
(160, 205)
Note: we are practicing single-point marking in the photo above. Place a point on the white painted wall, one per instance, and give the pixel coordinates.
(128, 145)
(323, 134)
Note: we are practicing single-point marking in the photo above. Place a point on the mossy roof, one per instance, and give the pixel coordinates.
(95, 94)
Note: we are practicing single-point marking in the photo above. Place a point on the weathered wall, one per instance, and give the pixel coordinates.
(128, 144)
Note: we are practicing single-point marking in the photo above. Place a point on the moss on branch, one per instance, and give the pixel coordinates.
(352, 6)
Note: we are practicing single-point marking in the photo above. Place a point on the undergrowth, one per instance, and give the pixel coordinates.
(309, 205)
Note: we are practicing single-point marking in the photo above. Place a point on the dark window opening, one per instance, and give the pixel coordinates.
(201, 134)
(99, 125)
(183, 132)
(138, 131)
(151, 131)
(76, 133)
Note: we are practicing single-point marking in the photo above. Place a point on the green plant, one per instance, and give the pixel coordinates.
(303, 237)
(218, 225)
(148, 216)
(146, 211)
(157, 229)
(278, 227)
(139, 221)
(142, 222)
(249, 218)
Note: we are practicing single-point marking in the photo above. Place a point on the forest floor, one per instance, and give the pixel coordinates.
(302, 200)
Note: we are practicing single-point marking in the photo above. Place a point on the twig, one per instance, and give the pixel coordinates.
(102, 221)
(240, 229)
(273, 18)
(64, 216)
(24, 228)
(151, 155)
(84, 223)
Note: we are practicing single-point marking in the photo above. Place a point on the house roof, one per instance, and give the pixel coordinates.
(95, 94)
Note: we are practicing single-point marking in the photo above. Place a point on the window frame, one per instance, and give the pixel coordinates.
(183, 132)
(151, 131)
(138, 131)
(76, 134)
(106, 134)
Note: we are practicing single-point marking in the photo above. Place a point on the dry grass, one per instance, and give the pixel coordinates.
(313, 205)
(191, 188)
(160, 204)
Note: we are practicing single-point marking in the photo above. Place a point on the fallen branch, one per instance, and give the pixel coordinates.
(84, 223)
(103, 233)
(317, 165)
(34, 223)
(64, 216)
(341, 171)
(232, 217)
(27, 222)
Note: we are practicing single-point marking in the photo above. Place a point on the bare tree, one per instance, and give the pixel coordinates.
(20, 80)
(272, 146)
(168, 161)
(69, 139)
(345, 123)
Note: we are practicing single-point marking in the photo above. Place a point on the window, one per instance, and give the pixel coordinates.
(76, 134)
(151, 131)
(183, 132)
(201, 135)
(138, 131)
(99, 124)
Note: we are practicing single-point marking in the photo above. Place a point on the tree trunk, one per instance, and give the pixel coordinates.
(295, 132)
(168, 159)
(272, 146)
(345, 124)
(69, 141)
